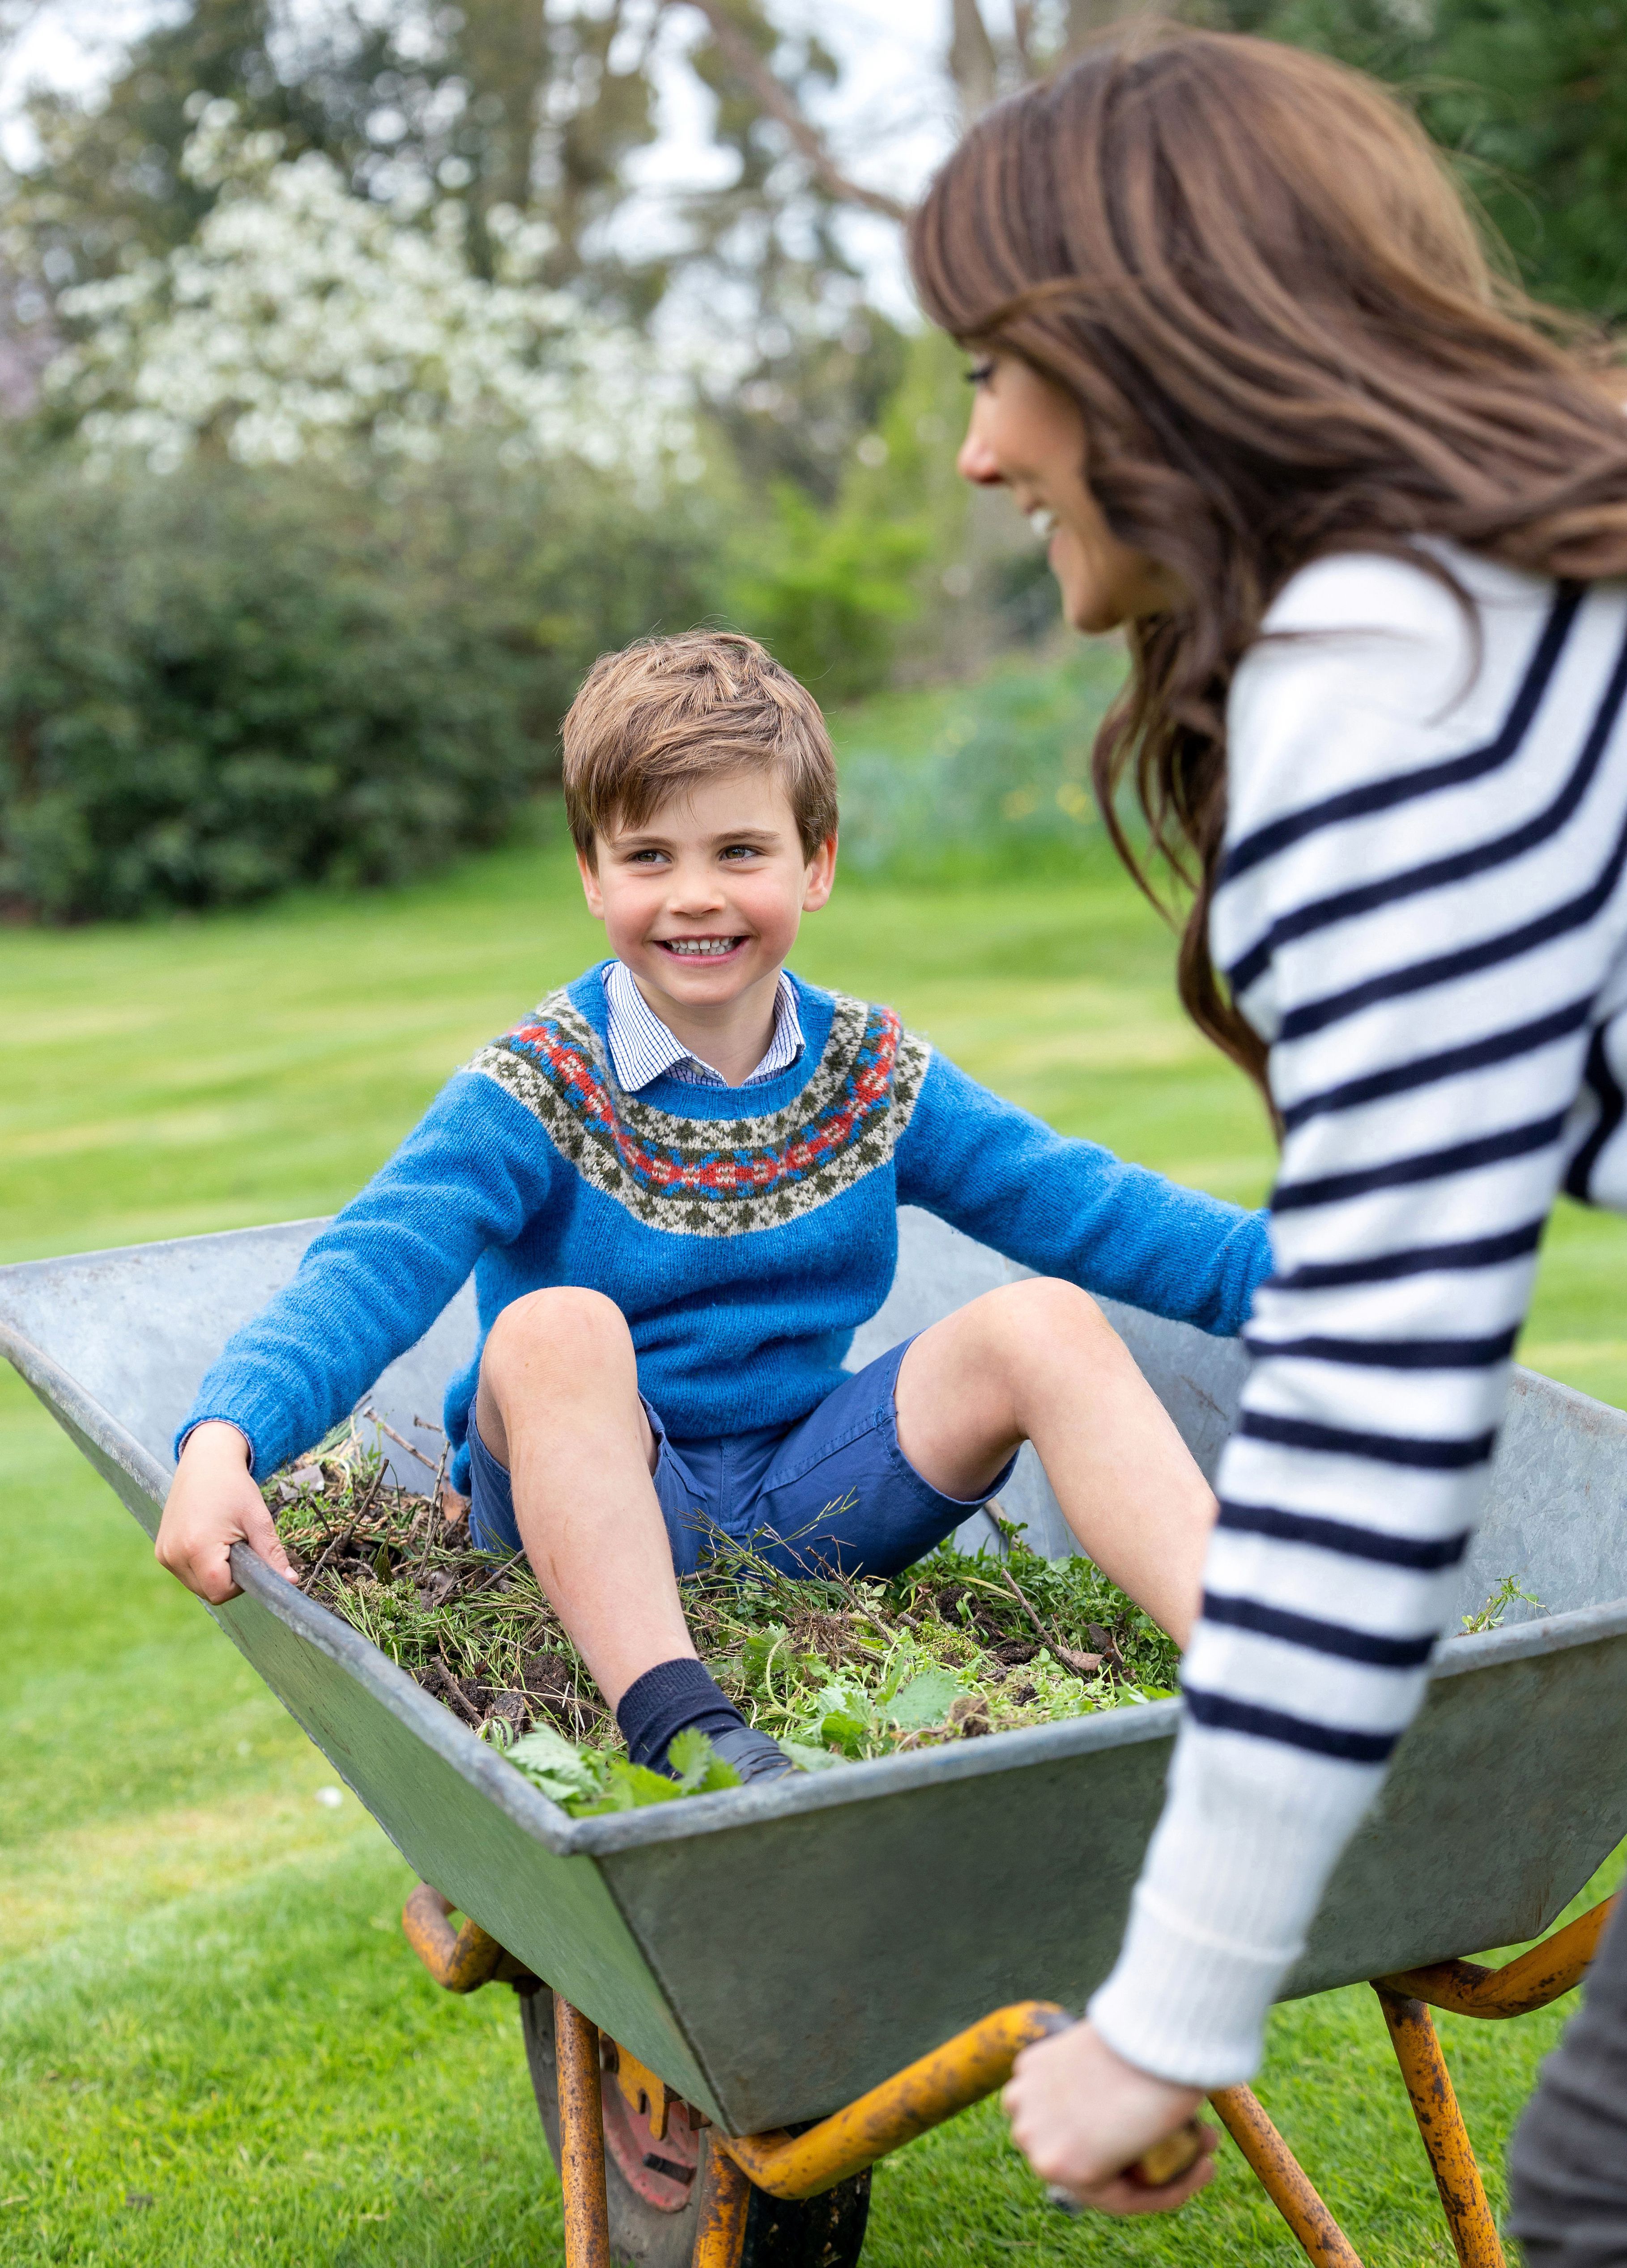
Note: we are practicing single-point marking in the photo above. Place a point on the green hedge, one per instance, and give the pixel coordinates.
(218, 684)
(989, 777)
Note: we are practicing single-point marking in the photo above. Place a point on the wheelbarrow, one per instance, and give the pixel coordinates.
(915, 1919)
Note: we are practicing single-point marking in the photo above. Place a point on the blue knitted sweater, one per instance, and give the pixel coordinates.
(743, 1232)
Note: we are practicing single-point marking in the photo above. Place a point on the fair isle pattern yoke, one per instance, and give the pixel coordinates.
(766, 1171)
(534, 1168)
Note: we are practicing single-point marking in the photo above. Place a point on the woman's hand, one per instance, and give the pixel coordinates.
(1081, 2115)
(213, 1504)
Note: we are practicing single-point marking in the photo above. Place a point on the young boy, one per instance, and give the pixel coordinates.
(676, 1183)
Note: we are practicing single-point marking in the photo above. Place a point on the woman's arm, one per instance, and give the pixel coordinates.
(1070, 1208)
(1408, 915)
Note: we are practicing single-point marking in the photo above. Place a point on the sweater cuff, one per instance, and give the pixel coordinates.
(217, 1417)
(1185, 2005)
(1232, 1882)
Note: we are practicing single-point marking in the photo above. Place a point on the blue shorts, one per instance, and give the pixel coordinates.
(833, 1490)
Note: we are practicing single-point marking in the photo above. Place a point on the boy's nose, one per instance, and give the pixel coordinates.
(696, 893)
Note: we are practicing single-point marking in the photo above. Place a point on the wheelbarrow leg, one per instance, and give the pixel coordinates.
(1283, 2179)
(582, 2139)
(1440, 2125)
(725, 2201)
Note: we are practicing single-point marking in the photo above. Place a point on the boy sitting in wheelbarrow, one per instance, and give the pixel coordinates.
(676, 1183)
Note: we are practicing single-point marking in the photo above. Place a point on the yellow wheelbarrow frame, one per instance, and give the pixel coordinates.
(979, 2060)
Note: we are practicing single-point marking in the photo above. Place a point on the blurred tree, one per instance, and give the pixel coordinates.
(301, 320)
(1529, 96)
(537, 106)
(800, 412)
(505, 102)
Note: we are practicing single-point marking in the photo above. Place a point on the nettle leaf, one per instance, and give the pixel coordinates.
(846, 1717)
(846, 1698)
(629, 1788)
(810, 1759)
(839, 1729)
(925, 1700)
(557, 1766)
(754, 1654)
(699, 1768)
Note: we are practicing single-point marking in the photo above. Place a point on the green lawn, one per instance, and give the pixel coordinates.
(215, 2046)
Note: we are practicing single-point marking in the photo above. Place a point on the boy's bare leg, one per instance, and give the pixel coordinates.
(559, 1404)
(1039, 1362)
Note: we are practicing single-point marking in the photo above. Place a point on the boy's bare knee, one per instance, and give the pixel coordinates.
(566, 1328)
(1043, 1311)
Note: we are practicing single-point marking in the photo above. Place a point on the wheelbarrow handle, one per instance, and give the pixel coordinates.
(1166, 2160)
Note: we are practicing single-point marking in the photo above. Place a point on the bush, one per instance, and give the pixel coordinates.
(218, 684)
(1001, 782)
(846, 594)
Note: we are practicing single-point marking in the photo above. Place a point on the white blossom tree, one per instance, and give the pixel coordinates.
(304, 320)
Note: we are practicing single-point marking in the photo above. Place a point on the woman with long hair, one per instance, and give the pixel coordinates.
(1359, 507)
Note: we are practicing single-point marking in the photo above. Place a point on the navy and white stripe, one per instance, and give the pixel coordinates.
(642, 1049)
(1423, 912)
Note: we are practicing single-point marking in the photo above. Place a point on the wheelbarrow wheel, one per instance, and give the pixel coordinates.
(653, 2185)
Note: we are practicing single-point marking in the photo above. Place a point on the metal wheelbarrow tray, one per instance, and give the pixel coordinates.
(889, 1905)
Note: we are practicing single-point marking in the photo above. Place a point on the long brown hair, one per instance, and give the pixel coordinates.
(1251, 270)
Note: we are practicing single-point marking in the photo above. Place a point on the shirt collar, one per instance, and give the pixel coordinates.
(642, 1049)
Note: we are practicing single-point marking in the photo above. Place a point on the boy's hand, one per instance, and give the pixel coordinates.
(1081, 2115)
(213, 1504)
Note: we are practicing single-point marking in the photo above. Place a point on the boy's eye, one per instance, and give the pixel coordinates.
(744, 850)
(644, 857)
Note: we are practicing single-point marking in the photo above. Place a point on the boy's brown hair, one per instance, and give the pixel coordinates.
(668, 712)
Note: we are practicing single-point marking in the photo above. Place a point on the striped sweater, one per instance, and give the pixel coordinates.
(1421, 911)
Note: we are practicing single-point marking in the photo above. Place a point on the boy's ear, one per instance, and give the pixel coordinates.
(586, 866)
(821, 876)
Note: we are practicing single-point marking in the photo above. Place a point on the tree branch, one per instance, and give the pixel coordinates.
(777, 101)
(972, 63)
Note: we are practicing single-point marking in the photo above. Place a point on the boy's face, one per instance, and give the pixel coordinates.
(704, 900)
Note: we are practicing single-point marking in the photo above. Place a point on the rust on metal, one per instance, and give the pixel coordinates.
(1168, 2159)
(1283, 2179)
(461, 1960)
(651, 2135)
(725, 2202)
(1440, 2125)
(960, 2072)
(582, 2139)
(1468, 1989)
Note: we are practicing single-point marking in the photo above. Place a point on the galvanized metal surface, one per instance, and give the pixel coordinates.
(887, 1906)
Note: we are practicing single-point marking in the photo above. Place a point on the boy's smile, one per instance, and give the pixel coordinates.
(702, 901)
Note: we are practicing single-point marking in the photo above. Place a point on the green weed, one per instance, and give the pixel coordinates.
(836, 1668)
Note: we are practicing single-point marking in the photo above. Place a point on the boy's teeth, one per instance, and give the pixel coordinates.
(1042, 519)
(700, 945)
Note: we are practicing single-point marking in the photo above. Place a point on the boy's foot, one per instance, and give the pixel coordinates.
(752, 1754)
(676, 1695)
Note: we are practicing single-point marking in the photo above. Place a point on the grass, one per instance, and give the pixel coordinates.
(205, 2001)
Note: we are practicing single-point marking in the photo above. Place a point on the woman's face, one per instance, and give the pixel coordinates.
(1027, 435)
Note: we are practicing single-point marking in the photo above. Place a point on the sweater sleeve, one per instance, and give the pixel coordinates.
(1070, 1208)
(469, 1175)
(1386, 920)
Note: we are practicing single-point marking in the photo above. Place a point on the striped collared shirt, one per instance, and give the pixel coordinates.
(642, 1049)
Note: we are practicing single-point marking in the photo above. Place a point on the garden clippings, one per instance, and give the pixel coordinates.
(836, 1668)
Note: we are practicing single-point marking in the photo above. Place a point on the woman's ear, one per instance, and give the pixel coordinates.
(586, 866)
(821, 876)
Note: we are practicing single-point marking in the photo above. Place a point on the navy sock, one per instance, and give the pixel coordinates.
(667, 1701)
